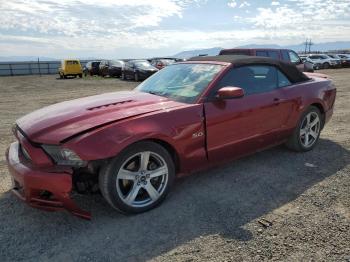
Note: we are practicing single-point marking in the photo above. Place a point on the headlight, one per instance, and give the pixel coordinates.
(63, 156)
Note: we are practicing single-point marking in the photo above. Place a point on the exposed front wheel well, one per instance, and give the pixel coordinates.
(170, 149)
(320, 107)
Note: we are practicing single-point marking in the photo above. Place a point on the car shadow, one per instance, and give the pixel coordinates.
(218, 201)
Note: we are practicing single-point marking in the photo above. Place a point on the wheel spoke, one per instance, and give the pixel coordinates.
(126, 174)
(130, 198)
(302, 132)
(306, 141)
(314, 122)
(159, 172)
(152, 192)
(308, 119)
(144, 159)
(313, 134)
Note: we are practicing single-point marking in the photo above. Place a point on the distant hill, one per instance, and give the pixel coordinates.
(25, 58)
(258, 46)
(192, 53)
(300, 47)
(323, 46)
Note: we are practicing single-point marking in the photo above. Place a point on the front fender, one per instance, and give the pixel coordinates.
(175, 127)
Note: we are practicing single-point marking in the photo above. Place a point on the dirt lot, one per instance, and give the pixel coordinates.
(209, 216)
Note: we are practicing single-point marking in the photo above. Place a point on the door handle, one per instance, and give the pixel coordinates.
(277, 100)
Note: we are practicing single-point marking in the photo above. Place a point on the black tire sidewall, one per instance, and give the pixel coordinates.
(108, 176)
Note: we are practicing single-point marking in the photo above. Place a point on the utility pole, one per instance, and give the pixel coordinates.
(310, 44)
(306, 44)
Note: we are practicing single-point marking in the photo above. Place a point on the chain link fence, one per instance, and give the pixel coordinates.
(31, 68)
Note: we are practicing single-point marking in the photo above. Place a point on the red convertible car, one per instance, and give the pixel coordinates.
(131, 145)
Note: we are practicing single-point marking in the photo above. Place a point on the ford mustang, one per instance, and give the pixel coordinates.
(131, 145)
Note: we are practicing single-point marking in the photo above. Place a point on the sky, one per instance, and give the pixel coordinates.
(145, 28)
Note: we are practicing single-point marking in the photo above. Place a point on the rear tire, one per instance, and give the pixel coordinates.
(307, 132)
(138, 179)
(136, 77)
(122, 76)
(80, 75)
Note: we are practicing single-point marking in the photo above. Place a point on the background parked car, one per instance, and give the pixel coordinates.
(91, 68)
(345, 59)
(286, 55)
(305, 58)
(325, 60)
(112, 68)
(162, 62)
(70, 68)
(138, 70)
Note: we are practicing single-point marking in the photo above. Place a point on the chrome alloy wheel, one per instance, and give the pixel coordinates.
(142, 179)
(310, 129)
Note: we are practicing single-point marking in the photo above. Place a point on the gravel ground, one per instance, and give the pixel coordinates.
(274, 205)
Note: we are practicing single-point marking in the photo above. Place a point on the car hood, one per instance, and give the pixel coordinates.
(60, 121)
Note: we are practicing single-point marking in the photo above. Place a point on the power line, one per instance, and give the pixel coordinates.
(308, 45)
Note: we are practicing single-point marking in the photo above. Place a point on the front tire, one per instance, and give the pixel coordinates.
(326, 65)
(307, 131)
(139, 178)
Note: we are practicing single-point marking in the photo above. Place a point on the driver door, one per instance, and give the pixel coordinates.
(239, 126)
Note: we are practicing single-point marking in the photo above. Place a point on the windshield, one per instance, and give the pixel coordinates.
(143, 65)
(167, 61)
(116, 63)
(180, 82)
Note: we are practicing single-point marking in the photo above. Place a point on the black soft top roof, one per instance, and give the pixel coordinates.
(290, 70)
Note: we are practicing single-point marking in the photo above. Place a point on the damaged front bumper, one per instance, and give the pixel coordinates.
(41, 188)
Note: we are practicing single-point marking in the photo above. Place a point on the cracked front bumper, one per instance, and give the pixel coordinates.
(46, 189)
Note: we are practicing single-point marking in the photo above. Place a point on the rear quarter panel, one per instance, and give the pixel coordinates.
(317, 91)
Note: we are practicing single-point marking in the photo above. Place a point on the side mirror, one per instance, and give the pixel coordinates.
(229, 92)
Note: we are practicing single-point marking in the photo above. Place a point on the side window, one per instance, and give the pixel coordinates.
(282, 79)
(252, 79)
(294, 58)
(261, 53)
(273, 54)
(285, 55)
(130, 65)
